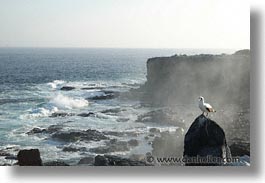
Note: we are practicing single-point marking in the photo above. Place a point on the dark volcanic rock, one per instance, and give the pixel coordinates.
(86, 114)
(50, 129)
(103, 97)
(240, 149)
(112, 111)
(61, 114)
(154, 130)
(55, 163)
(36, 130)
(101, 161)
(29, 158)
(86, 161)
(4, 153)
(73, 149)
(108, 160)
(92, 88)
(54, 128)
(100, 150)
(205, 138)
(107, 95)
(11, 157)
(67, 88)
(72, 136)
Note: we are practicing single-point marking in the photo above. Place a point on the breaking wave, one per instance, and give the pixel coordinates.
(55, 84)
(65, 102)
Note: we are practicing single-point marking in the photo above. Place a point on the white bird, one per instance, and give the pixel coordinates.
(205, 107)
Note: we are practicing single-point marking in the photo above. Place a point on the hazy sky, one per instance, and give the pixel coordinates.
(125, 23)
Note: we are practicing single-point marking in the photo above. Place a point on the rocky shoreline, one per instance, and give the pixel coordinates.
(166, 88)
(163, 143)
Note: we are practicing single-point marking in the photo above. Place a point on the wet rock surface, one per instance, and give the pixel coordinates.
(50, 129)
(4, 153)
(73, 149)
(87, 114)
(107, 96)
(61, 114)
(92, 88)
(35, 131)
(154, 130)
(113, 111)
(86, 161)
(67, 88)
(73, 136)
(54, 128)
(29, 158)
(240, 148)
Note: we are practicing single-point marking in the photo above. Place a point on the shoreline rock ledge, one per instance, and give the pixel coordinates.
(205, 143)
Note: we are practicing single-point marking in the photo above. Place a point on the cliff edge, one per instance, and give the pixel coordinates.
(181, 79)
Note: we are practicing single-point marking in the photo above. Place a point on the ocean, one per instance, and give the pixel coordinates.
(31, 81)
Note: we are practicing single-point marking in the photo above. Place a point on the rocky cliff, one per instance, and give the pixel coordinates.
(180, 79)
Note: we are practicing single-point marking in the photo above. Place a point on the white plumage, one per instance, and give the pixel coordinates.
(205, 107)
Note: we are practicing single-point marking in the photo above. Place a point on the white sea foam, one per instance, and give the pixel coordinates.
(40, 112)
(55, 83)
(65, 102)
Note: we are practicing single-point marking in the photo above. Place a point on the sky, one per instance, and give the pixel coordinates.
(125, 23)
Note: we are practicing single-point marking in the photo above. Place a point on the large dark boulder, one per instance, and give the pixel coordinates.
(29, 157)
(205, 138)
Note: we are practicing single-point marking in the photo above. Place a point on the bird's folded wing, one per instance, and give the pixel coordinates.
(208, 107)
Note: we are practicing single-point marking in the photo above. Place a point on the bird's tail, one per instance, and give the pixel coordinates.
(212, 110)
